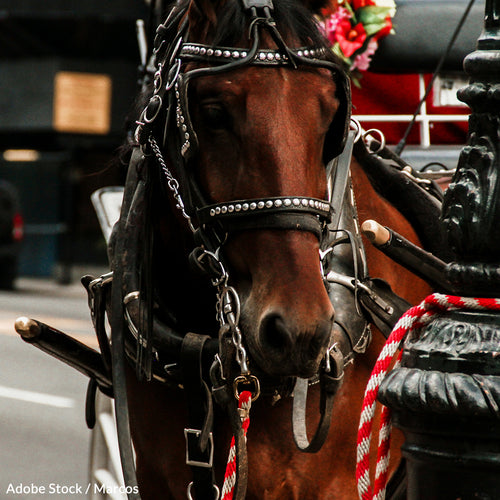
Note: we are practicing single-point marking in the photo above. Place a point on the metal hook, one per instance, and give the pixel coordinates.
(369, 138)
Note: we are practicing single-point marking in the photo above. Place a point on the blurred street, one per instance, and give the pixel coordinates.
(44, 438)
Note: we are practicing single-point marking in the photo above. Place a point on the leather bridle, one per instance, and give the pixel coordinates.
(177, 63)
(170, 90)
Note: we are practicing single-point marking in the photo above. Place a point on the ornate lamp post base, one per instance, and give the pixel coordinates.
(445, 396)
(446, 399)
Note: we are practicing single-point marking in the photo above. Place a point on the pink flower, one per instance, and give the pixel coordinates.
(332, 21)
(362, 61)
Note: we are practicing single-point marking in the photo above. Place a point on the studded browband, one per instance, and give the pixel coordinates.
(229, 56)
(196, 51)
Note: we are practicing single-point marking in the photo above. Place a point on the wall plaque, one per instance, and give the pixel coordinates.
(82, 103)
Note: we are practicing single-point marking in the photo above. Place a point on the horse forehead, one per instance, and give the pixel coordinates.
(302, 89)
(264, 85)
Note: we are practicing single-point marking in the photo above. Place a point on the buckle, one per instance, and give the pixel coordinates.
(192, 439)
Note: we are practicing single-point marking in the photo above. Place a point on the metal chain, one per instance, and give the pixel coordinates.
(228, 306)
(228, 302)
(172, 182)
(229, 314)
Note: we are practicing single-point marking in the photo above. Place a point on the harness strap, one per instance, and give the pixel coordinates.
(97, 290)
(119, 247)
(329, 383)
(338, 172)
(381, 304)
(199, 436)
(296, 222)
(120, 382)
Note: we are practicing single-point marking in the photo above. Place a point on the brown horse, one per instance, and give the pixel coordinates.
(253, 130)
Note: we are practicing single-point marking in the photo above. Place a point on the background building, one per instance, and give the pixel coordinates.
(68, 76)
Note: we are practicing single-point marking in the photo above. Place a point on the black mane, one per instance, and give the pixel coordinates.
(293, 19)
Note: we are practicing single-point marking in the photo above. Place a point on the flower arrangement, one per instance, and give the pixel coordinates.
(354, 28)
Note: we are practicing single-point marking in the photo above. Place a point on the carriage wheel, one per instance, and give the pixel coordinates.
(105, 471)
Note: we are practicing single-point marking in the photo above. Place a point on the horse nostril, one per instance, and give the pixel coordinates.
(275, 334)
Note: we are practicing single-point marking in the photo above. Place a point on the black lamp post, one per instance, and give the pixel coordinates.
(446, 394)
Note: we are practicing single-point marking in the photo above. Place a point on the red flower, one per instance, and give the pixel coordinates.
(357, 4)
(385, 30)
(350, 38)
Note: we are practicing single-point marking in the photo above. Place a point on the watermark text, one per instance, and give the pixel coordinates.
(25, 489)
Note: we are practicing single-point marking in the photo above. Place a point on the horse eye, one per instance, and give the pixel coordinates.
(215, 116)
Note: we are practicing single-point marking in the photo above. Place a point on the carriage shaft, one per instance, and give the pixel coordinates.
(67, 349)
(421, 263)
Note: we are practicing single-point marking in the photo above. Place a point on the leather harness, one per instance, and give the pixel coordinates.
(190, 356)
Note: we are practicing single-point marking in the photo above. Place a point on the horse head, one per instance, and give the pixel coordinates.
(260, 105)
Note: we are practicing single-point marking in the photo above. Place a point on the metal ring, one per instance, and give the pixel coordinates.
(131, 296)
(157, 110)
(370, 134)
(247, 379)
(158, 80)
(216, 265)
(177, 69)
(215, 487)
(157, 49)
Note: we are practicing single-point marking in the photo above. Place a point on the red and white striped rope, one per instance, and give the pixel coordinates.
(414, 318)
(244, 402)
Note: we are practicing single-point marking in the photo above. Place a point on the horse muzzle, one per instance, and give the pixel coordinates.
(282, 346)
